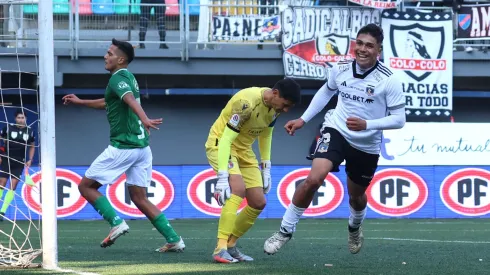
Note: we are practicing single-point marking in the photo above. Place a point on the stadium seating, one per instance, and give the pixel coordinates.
(84, 7)
(103, 7)
(172, 10)
(107, 7)
(122, 6)
(59, 7)
(193, 10)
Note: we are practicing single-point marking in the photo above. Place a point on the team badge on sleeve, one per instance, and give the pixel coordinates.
(122, 85)
(235, 119)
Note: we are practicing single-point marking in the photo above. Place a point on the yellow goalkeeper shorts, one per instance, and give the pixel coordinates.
(244, 164)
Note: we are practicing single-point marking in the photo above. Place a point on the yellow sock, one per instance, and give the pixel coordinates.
(227, 220)
(243, 222)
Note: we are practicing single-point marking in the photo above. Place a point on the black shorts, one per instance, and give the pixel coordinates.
(15, 169)
(359, 166)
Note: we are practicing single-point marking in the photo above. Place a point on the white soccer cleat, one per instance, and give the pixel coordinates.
(355, 241)
(116, 232)
(276, 241)
(172, 247)
(237, 254)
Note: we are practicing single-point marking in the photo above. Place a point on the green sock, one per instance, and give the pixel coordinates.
(1, 193)
(163, 226)
(104, 208)
(8, 199)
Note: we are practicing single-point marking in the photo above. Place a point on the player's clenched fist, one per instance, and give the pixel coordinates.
(266, 176)
(294, 125)
(356, 124)
(222, 190)
(71, 98)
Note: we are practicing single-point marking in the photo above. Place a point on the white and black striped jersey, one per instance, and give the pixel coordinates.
(369, 95)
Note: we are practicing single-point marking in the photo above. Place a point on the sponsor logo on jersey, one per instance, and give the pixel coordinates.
(356, 98)
(160, 192)
(68, 199)
(397, 192)
(326, 199)
(200, 192)
(467, 192)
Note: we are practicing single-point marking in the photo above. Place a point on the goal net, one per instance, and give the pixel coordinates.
(27, 207)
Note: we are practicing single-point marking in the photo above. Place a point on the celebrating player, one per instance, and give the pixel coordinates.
(370, 100)
(128, 152)
(16, 137)
(249, 115)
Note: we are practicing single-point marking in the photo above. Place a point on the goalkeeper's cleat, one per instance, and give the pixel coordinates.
(224, 257)
(356, 239)
(1, 216)
(276, 241)
(116, 232)
(178, 246)
(235, 253)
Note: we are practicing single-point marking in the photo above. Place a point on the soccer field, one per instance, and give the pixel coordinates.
(397, 246)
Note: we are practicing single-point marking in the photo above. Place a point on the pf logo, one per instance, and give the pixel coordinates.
(466, 192)
(69, 200)
(326, 199)
(200, 192)
(397, 192)
(160, 192)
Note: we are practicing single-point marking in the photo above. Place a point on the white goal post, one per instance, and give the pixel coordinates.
(47, 134)
(47, 141)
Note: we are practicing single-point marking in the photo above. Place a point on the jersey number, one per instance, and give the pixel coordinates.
(142, 135)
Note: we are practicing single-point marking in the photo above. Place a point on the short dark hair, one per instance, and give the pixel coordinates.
(289, 89)
(20, 112)
(373, 30)
(125, 47)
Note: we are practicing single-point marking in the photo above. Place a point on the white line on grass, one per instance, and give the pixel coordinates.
(429, 241)
(74, 271)
(383, 239)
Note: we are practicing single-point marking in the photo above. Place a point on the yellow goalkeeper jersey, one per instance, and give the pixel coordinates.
(246, 114)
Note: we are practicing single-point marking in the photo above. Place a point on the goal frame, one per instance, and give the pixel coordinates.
(49, 237)
(47, 135)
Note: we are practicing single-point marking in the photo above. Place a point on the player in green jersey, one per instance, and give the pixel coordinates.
(128, 151)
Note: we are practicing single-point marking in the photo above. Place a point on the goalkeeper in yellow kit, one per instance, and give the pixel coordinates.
(249, 115)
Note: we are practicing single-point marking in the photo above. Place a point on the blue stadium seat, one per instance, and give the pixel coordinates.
(102, 7)
(59, 7)
(193, 10)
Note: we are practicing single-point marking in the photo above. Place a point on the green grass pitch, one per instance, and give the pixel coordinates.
(392, 246)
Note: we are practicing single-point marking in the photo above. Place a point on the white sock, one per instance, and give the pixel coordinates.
(291, 218)
(356, 217)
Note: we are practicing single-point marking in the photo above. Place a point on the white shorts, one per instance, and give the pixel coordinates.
(113, 162)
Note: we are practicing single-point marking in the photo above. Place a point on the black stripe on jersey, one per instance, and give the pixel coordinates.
(399, 106)
(362, 76)
(384, 70)
(381, 65)
(231, 128)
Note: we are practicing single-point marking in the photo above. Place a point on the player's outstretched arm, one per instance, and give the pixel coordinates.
(129, 99)
(318, 103)
(265, 146)
(91, 103)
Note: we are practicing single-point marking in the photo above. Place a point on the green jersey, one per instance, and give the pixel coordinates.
(126, 128)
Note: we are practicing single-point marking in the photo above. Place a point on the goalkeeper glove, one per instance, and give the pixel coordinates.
(222, 191)
(266, 175)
